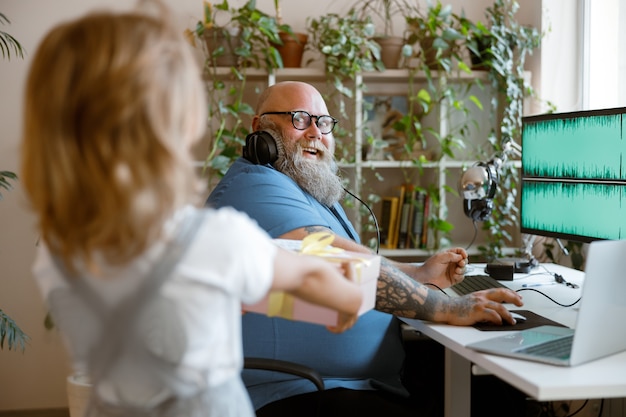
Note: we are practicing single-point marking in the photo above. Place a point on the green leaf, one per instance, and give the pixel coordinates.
(476, 101)
(11, 334)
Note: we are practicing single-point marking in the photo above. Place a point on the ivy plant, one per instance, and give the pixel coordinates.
(434, 42)
(504, 45)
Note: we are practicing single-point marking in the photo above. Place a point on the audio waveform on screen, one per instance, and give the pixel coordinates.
(590, 147)
(578, 209)
(573, 182)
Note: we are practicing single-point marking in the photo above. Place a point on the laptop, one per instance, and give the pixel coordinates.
(599, 330)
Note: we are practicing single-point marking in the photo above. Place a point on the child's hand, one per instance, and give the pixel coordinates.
(344, 322)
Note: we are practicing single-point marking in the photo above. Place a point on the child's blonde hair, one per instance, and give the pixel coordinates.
(113, 104)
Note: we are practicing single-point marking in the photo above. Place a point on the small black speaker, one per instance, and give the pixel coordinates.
(260, 148)
(501, 272)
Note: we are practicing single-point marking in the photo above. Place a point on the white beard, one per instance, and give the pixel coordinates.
(319, 178)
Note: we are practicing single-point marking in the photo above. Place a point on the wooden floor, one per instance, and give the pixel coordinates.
(55, 412)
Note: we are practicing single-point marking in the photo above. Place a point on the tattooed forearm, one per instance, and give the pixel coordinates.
(402, 296)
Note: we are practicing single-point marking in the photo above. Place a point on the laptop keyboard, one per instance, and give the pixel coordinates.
(473, 283)
(558, 348)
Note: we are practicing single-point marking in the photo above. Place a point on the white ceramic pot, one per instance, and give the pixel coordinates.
(78, 392)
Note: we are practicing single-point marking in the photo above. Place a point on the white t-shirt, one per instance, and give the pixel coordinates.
(229, 261)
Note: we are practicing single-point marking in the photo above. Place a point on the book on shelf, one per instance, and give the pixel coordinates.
(417, 219)
(396, 230)
(387, 224)
(404, 217)
(424, 235)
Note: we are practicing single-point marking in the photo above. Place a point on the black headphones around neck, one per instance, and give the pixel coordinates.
(260, 148)
(480, 209)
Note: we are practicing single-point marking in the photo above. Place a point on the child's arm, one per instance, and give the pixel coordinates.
(318, 281)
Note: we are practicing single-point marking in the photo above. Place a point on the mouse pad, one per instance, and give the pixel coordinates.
(532, 320)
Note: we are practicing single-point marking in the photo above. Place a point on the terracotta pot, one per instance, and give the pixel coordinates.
(292, 49)
(390, 50)
(429, 53)
(217, 38)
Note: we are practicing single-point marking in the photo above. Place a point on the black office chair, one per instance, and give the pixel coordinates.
(287, 367)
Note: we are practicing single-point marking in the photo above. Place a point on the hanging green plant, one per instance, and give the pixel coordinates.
(434, 47)
(504, 45)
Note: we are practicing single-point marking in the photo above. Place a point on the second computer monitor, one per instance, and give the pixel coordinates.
(573, 183)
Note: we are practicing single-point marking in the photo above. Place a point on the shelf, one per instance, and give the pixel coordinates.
(409, 164)
(317, 74)
(423, 253)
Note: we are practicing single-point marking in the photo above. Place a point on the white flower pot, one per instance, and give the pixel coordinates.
(78, 392)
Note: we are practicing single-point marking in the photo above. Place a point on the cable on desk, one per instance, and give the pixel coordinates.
(558, 278)
(549, 298)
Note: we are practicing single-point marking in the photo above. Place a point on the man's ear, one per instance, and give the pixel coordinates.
(255, 122)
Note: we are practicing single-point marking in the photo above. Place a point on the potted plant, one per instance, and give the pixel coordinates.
(10, 332)
(238, 34)
(383, 12)
(478, 40)
(226, 85)
(293, 43)
(437, 34)
(346, 43)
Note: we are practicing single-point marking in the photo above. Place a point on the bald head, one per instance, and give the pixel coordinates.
(291, 95)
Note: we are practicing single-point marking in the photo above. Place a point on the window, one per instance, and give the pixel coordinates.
(604, 52)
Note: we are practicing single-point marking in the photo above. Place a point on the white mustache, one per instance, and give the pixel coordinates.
(315, 146)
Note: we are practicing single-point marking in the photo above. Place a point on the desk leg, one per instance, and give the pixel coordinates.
(457, 389)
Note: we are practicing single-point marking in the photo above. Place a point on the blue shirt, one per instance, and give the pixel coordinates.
(275, 201)
(368, 356)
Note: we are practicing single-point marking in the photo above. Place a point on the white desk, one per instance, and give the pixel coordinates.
(603, 378)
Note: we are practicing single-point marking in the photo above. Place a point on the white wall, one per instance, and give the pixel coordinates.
(36, 378)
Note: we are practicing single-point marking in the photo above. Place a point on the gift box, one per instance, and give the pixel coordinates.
(361, 268)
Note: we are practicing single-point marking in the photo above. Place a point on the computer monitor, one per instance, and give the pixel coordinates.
(573, 182)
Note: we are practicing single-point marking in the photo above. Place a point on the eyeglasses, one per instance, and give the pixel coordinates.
(301, 120)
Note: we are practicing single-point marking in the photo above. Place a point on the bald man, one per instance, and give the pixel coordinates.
(294, 190)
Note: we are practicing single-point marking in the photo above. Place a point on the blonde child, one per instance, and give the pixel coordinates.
(114, 102)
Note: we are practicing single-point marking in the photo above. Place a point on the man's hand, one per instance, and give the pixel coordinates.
(443, 269)
(483, 306)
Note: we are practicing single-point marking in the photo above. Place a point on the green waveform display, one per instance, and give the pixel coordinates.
(579, 210)
(590, 146)
(574, 175)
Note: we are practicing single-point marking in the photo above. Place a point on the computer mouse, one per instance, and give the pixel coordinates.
(518, 317)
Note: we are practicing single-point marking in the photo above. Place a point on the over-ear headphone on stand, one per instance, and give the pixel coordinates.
(260, 148)
(478, 186)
